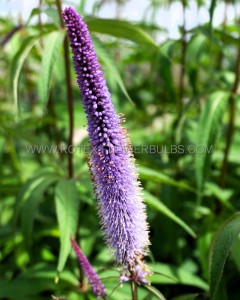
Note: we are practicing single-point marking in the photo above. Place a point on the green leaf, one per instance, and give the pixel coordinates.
(214, 39)
(24, 193)
(35, 11)
(17, 64)
(105, 58)
(162, 208)
(208, 128)
(31, 205)
(122, 291)
(152, 175)
(222, 291)
(220, 248)
(186, 297)
(121, 29)
(211, 11)
(227, 38)
(154, 291)
(23, 288)
(195, 50)
(28, 188)
(53, 15)
(16, 67)
(67, 207)
(179, 274)
(235, 253)
(51, 50)
(222, 195)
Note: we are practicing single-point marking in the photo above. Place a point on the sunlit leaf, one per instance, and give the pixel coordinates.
(52, 45)
(121, 29)
(26, 190)
(221, 194)
(179, 274)
(155, 203)
(31, 205)
(123, 291)
(111, 67)
(195, 50)
(16, 66)
(153, 175)
(155, 292)
(208, 128)
(35, 11)
(67, 207)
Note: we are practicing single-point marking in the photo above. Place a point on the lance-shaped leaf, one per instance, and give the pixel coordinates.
(220, 248)
(208, 128)
(121, 29)
(52, 46)
(67, 208)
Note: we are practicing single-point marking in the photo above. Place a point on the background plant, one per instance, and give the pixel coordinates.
(182, 91)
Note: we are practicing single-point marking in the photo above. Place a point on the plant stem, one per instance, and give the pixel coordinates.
(69, 93)
(220, 56)
(230, 132)
(134, 290)
(56, 133)
(10, 34)
(71, 121)
(183, 60)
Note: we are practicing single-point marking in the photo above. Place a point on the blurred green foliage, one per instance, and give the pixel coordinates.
(181, 101)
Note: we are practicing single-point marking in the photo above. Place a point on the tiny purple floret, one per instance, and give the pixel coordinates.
(93, 279)
(117, 188)
(138, 275)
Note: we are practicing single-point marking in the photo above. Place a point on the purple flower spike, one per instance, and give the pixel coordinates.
(122, 211)
(93, 279)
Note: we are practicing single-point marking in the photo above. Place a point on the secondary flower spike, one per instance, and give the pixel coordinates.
(117, 189)
(93, 279)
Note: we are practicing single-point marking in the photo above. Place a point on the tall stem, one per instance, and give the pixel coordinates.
(183, 59)
(71, 121)
(52, 113)
(69, 93)
(230, 132)
(134, 290)
(225, 19)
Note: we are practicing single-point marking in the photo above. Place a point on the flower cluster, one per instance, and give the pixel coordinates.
(138, 275)
(93, 279)
(122, 210)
